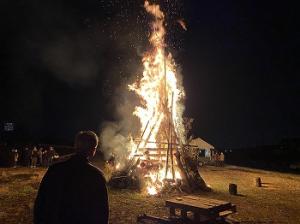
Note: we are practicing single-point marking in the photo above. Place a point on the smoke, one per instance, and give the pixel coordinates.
(116, 137)
(104, 50)
(72, 59)
(113, 142)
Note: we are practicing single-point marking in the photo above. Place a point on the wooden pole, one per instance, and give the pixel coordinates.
(165, 79)
(167, 161)
(166, 112)
(142, 136)
(258, 182)
(171, 136)
(147, 139)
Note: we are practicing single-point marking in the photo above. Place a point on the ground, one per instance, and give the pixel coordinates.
(276, 202)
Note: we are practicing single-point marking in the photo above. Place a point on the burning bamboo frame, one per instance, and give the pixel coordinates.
(157, 151)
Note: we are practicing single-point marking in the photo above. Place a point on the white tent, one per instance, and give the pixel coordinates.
(202, 145)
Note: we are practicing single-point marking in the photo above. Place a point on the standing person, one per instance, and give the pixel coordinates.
(40, 153)
(34, 157)
(15, 156)
(208, 154)
(26, 156)
(45, 158)
(214, 157)
(74, 191)
(51, 154)
(222, 159)
(217, 159)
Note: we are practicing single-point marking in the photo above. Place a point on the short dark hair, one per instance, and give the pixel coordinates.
(85, 141)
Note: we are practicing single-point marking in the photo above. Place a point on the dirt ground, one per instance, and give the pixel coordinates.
(276, 202)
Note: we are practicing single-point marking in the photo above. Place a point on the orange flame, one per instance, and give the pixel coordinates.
(161, 94)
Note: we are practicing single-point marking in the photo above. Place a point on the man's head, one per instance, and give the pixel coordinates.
(86, 143)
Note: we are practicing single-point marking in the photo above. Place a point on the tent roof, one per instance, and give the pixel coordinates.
(201, 143)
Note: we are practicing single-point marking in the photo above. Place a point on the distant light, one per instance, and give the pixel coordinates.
(9, 126)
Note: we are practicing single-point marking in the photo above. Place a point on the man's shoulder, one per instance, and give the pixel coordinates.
(57, 167)
(96, 171)
(83, 169)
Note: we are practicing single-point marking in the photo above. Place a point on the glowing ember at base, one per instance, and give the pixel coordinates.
(151, 190)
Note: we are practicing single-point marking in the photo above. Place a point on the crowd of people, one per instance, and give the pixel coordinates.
(33, 156)
(218, 158)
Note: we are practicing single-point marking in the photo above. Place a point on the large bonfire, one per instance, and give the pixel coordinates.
(160, 110)
(157, 152)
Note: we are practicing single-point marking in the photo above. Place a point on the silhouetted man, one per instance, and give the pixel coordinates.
(73, 191)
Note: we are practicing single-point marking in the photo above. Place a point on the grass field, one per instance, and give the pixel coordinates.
(278, 201)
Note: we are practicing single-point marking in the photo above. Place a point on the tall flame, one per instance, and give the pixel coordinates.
(159, 90)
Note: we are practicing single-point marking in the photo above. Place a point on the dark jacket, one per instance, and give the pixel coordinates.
(72, 192)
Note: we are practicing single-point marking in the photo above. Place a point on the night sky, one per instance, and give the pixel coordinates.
(64, 65)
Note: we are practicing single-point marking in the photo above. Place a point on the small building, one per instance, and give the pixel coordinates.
(204, 147)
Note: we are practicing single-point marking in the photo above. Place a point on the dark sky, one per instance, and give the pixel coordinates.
(63, 64)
